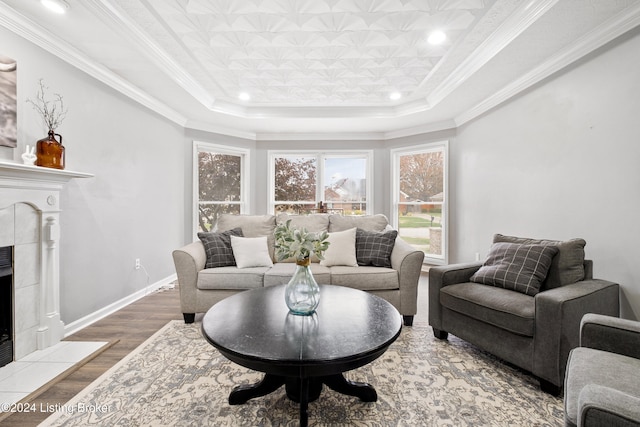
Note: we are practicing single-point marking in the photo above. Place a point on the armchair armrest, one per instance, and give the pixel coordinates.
(189, 260)
(407, 261)
(558, 314)
(611, 334)
(604, 406)
(440, 277)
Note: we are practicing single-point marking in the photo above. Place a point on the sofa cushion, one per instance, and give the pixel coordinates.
(520, 268)
(341, 250)
(365, 278)
(282, 272)
(231, 278)
(217, 246)
(364, 222)
(251, 225)
(315, 223)
(503, 308)
(374, 247)
(590, 367)
(251, 251)
(567, 267)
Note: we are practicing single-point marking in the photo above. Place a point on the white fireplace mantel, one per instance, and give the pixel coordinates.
(39, 188)
(35, 174)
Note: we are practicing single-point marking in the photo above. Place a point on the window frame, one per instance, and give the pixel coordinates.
(245, 176)
(395, 155)
(320, 156)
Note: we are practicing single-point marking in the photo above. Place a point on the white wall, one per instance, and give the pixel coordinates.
(132, 208)
(560, 161)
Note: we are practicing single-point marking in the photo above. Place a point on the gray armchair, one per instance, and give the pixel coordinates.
(534, 332)
(602, 385)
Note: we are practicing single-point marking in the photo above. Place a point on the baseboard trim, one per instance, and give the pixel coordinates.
(79, 324)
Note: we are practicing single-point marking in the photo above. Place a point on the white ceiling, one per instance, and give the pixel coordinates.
(321, 68)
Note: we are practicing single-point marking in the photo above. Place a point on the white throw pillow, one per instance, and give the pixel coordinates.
(342, 249)
(251, 251)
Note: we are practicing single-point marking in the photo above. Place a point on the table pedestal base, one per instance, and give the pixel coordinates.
(302, 390)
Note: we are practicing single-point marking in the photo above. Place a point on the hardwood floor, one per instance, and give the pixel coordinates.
(130, 326)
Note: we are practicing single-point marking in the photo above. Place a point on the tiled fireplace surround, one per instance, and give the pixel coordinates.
(30, 223)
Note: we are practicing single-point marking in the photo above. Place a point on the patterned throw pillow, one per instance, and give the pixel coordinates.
(218, 247)
(517, 267)
(567, 266)
(374, 247)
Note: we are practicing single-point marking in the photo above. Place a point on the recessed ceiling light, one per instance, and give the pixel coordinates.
(437, 37)
(394, 96)
(244, 96)
(55, 6)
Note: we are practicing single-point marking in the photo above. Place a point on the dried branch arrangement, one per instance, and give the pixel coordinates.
(52, 111)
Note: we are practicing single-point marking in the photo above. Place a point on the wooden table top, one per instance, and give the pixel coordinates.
(255, 329)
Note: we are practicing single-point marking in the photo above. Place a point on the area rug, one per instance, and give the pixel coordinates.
(176, 378)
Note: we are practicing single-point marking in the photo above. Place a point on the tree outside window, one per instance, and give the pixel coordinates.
(220, 185)
(320, 182)
(420, 198)
(295, 183)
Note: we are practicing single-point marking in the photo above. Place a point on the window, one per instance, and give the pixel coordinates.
(220, 183)
(420, 198)
(308, 182)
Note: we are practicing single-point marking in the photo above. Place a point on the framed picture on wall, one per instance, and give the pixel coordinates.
(8, 102)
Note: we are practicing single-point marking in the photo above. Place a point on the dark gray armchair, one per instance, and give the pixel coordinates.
(602, 385)
(534, 332)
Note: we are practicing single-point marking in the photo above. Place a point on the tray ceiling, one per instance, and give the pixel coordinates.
(273, 67)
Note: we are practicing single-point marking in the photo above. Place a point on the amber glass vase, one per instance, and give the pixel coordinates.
(50, 151)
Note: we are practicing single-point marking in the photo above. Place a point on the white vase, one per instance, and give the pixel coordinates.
(302, 293)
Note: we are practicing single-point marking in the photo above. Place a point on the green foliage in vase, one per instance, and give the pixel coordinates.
(299, 243)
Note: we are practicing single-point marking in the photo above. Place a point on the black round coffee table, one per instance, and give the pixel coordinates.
(349, 329)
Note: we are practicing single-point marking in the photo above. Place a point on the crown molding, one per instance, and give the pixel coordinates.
(606, 32)
(109, 12)
(422, 129)
(527, 14)
(222, 130)
(321, 136)
(51, 43)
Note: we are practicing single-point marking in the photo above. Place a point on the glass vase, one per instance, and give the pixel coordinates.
(50, 151)
(302, 293)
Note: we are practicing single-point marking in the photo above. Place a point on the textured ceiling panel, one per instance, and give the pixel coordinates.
(321, 66)
(317, 52)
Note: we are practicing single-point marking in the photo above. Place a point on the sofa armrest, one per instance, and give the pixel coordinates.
(558, 314)
(440, 277)
(188, 261)
(604, 406)
(611, 334)
(407, 261)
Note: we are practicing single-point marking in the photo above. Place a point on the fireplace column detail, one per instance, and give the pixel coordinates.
(51, 329)
(34, 192)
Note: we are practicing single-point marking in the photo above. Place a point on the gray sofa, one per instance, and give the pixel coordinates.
(202, 287)
(534, 332)
(601, 386)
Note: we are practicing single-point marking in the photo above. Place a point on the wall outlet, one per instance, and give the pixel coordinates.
(477, 256)
(137, 263)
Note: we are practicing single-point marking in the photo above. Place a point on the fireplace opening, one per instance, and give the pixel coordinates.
(6, 305)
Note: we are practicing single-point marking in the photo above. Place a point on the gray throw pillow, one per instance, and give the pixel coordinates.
(520, 268)
(567, 266)
(218, 248)
(374, 247)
